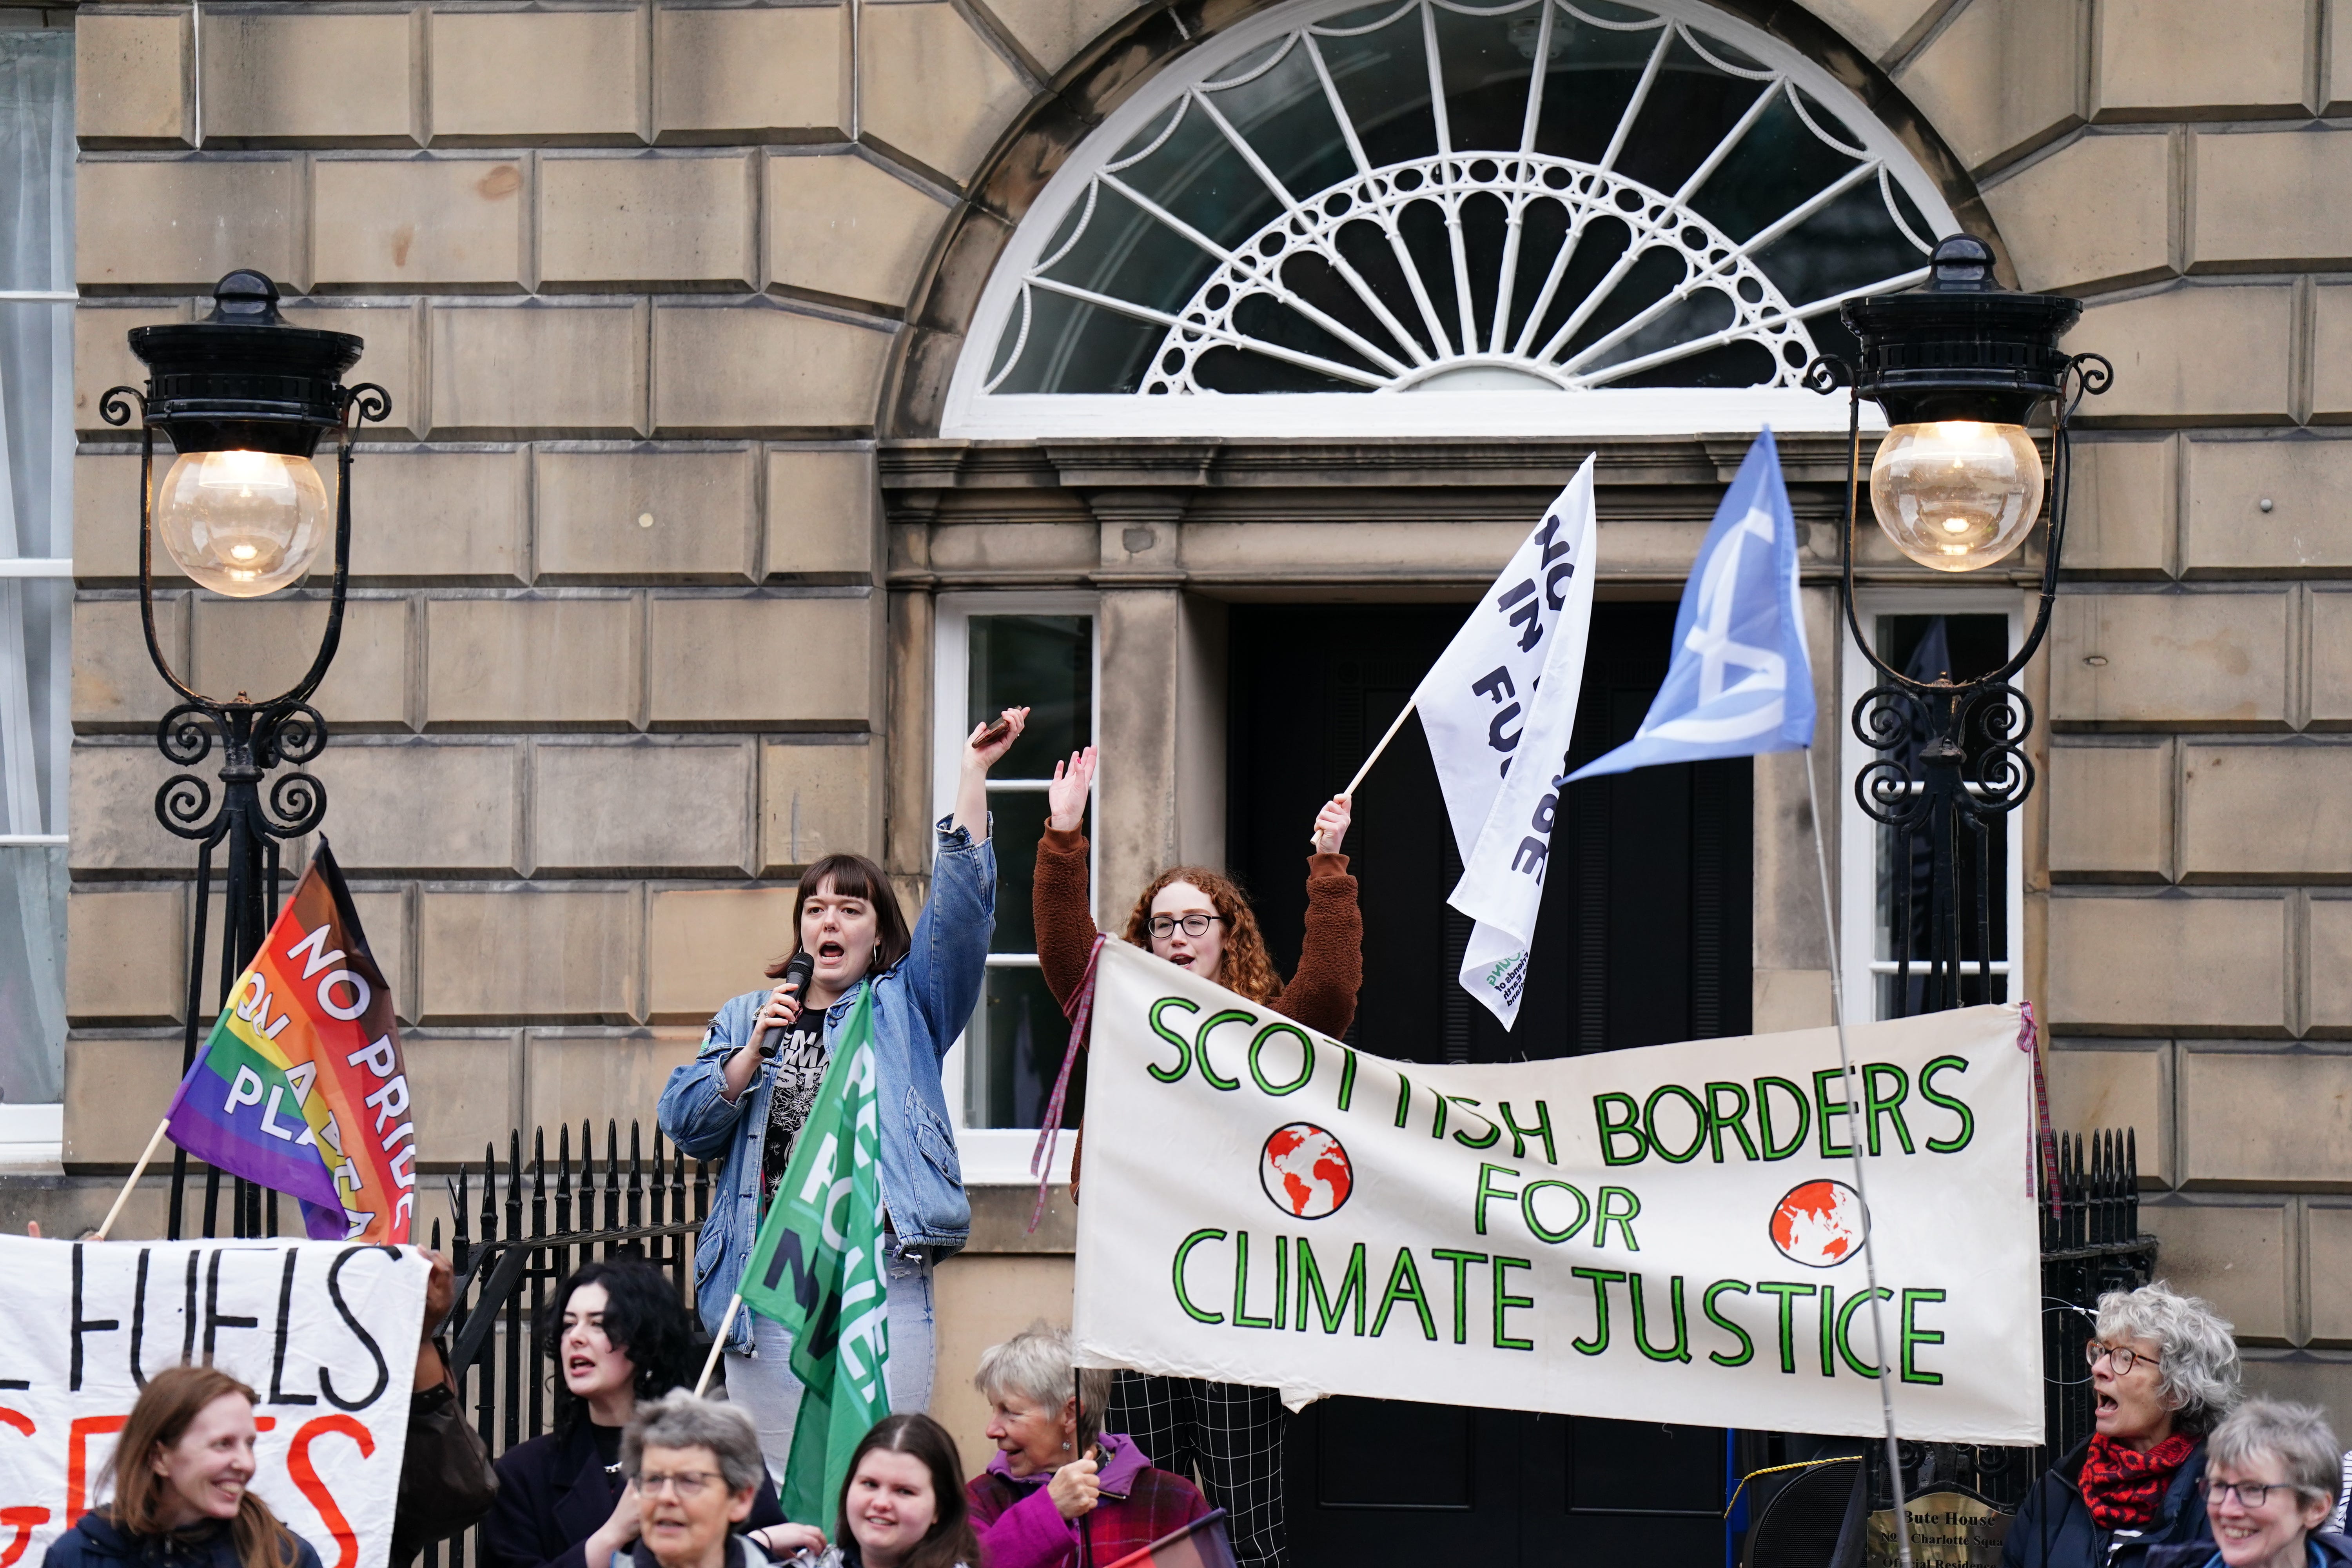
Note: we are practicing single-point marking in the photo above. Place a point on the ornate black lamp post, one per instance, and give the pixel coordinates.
(244, 400)
(1959, 364)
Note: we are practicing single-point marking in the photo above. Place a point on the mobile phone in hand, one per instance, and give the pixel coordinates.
(995, 732)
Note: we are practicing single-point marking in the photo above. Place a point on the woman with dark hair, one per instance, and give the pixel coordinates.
(745, 1096)
(180, 1471)
(902, 1505)
(619, 1338)
(1200, 921)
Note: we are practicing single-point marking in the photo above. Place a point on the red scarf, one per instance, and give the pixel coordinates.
(2125, 1488)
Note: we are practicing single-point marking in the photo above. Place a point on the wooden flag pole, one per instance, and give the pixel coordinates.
(137, 1171)
(1350, 792)
(717, 1344)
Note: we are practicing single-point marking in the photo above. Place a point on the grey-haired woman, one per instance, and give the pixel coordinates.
(695, 1466)
(2163, 1372)
(2271, 1475)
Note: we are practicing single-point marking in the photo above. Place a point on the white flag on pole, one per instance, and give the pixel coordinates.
(1507, 687)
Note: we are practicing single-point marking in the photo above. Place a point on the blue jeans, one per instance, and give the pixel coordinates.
(763, 1383)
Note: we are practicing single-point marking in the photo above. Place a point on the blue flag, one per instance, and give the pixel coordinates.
(1740, 683)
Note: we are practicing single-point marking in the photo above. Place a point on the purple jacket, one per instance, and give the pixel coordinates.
(1020, 1527)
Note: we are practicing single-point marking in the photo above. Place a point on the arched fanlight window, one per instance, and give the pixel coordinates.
(1334, 203)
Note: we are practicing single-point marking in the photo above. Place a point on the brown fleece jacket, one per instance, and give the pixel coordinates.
(1321, 996)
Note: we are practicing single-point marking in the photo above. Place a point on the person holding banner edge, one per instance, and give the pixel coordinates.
(925, 984)
(1059, 1485)
(1200, 920)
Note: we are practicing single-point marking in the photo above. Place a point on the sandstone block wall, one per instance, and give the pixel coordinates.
(614, 667)
(2169, 162)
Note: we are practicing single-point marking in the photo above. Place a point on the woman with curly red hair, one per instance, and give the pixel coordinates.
(1199, 919)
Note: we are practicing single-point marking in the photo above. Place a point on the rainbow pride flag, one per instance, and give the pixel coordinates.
(301, 1085)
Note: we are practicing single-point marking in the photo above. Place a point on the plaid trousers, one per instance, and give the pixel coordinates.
(1228, 1434)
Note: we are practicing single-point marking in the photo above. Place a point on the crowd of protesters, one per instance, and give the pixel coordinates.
(2180, 1471)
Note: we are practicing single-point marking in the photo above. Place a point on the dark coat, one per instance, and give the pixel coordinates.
(93, 1542)
(2326, 1550)
(553, 1494)
(2056, 1529)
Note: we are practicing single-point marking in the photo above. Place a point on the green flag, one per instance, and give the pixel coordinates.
(817, 1268)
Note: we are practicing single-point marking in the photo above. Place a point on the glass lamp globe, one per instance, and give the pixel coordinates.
(1956, 494)
(243, 523)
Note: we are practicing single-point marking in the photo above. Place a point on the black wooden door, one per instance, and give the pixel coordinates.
(1643, 939)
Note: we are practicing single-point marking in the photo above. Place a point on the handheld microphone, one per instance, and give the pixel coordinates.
(796, 975)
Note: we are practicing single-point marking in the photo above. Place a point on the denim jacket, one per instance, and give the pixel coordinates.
(921, 1004)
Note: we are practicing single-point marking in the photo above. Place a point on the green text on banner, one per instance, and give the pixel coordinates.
(1664, 1234)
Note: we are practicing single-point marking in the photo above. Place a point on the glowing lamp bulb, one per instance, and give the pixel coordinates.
(1957, 494)
(243, 523)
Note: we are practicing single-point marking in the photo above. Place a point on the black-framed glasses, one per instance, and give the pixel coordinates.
(1195, 925)
(2249, 1494)
(2124, 1357)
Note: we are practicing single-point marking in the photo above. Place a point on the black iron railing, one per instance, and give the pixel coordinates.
(517, 1231)
(2091, 1244)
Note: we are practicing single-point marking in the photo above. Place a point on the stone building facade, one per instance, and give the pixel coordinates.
(655, 560)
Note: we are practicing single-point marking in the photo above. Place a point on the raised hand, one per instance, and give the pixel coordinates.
(982, 750)
(1331, 824)
(1066, 798)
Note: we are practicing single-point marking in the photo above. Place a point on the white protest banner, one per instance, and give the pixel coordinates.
(1665, 1234)
(324, 1332)
(1507, 685)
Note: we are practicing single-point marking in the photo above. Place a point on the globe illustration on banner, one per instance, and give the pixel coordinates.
(1820, 1224)
(1304, 1170)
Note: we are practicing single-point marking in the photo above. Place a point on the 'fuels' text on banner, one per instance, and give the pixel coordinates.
(1669, 1232)
(324, 1332)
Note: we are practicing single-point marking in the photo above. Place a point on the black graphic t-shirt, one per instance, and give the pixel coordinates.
(800, 1057)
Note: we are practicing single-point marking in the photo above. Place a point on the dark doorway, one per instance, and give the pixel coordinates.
(1643, 939)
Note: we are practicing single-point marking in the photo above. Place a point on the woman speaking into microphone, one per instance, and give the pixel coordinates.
(746, 1095)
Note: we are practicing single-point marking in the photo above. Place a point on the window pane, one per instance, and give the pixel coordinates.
(1931, 647)
(1016, 1042)
(1454, 212)
(36, 447)
(32, 973)
(1019, 825)
(1046, 662)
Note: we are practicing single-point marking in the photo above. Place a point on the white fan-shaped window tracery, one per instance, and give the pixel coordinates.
(1341, 199)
